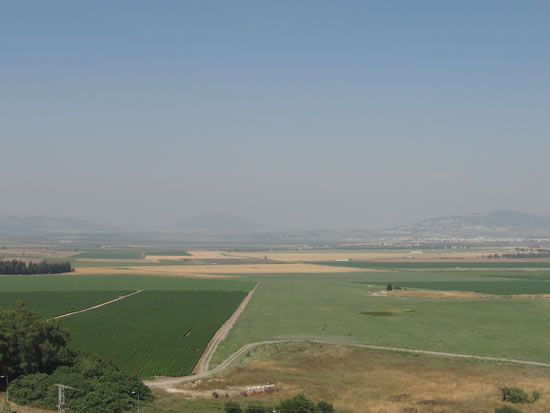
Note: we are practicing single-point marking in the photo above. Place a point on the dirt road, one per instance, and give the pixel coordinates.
(204, 362)
(168, 382)
(98, 305)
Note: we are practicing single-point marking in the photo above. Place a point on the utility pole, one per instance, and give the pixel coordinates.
(7, 387)
(137, 392)
(61, 397)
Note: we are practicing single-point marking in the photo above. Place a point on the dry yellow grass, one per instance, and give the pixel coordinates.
(435, 294)
(215, 270)
(358, 380)
(208, 254)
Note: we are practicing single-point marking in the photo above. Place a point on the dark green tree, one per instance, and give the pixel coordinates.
(30, 344)
(324, 407)
(297, 404)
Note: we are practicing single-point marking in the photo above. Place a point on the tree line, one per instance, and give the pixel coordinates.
(18, 267)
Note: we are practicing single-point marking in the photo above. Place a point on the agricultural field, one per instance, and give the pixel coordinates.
(162, 330)
(124, 254)
(168, 252)
(461, 306)
(54, 303)
(114, 282)
(154, 332)
(484, 287)
(415, 265)
(348, 308)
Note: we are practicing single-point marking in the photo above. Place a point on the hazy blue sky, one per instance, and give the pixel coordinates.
(296, 114)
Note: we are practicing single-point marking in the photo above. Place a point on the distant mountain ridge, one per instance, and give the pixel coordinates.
(11, 225)
(501, 222)
(216, 223)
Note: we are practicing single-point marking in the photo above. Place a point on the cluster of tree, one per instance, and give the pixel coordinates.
(538, 254)
(34, 353)
(296, 404)
(18, 267)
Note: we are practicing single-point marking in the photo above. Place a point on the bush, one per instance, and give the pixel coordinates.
(389, 287)
(297, 404)
(507, 409)
(232, 407)
(517, 395)
(324, 407)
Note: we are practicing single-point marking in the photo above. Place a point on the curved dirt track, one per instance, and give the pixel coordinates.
(122, 297)
(168, 382)
(204, 362)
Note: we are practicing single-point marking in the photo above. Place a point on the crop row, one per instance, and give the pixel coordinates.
(154, 332)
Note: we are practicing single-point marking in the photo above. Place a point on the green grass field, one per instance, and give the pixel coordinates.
(100, 253)
(484, 287)
(168, 252)
(154, 332)
(410, 265)
(18, 283)
(337, 308)
(52, 303)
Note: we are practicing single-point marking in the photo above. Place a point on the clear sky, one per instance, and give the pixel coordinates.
(296, 114)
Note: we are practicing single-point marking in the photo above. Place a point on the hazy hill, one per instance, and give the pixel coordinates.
(10, 225)
(218, 224)
(497, 223)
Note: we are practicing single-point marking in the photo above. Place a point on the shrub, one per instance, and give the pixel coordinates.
(324, 407)
(297, 404)
(232, 407)
(507, 409)
(517, 395)
(389, 287)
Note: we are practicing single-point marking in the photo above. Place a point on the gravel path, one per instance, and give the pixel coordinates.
(98, 305)
(204, 362)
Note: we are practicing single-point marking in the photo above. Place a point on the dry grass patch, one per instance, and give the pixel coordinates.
(359, 380)
(460, 295)
(213, 270)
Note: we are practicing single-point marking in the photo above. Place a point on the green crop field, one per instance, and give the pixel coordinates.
(125, 254)
(485, 287)
(337, 308)
(53, 303)
(169, 252)
(70, 282)
(435, 265)
(154, 332)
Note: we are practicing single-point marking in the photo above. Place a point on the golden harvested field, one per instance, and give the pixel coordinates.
(216, 270)
(208, 254)
(359, 380)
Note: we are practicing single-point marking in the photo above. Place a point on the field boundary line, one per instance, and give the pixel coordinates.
(167, 382)
(203, 364)
(122, 297)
